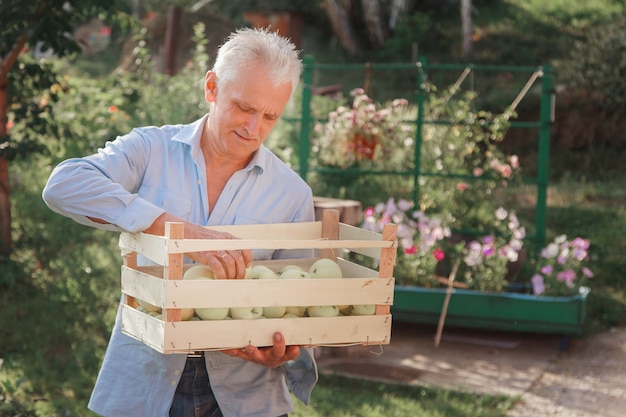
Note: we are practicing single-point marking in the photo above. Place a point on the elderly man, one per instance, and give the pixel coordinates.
(214, 171)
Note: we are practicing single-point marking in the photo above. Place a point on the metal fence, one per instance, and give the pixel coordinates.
(413, 77)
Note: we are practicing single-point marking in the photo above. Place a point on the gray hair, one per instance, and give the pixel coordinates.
(277, 53)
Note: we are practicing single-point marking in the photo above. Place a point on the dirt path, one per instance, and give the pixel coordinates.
(589, 380)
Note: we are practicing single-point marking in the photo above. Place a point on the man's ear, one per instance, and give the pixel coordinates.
(210, 86)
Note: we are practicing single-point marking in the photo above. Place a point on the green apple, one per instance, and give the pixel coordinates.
(296, 311)
(246, 313)
(147, 307)
(209, 313)
(295, 274)
(288, 267)
(364, 310)
(262, 272)
(199, 271)
(290, 316)
(325, 268)
(345, 310)
(322, 311)
(248, 272)
(187, 313)
(274, 312)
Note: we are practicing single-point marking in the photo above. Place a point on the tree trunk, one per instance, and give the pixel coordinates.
(397, 8)
(6, 64)
(373, 22)
(341, 26)
(466, 27)
(5, 202)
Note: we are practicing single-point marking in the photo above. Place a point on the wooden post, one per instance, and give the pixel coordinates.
(330, 231)
(387, 261)
(130, 260)
(174, 267)
(446, 301)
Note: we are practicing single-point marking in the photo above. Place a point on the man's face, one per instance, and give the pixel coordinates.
(244, 111)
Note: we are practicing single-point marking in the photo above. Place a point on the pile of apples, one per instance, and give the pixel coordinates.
(322, 268)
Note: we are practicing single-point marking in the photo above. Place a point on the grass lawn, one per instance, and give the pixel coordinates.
(338, 396)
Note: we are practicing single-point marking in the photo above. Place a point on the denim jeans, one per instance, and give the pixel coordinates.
(193, 396)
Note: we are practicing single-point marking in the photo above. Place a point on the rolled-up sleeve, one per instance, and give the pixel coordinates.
(104, 186)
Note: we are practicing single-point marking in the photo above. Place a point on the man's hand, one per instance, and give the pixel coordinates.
(229, 264)
(269, 356)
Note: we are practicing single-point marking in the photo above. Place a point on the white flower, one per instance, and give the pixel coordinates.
(550, 251)
(501, 214)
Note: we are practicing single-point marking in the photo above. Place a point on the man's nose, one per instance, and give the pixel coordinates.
(253, 125)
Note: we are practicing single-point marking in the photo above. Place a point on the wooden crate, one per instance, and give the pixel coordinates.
(162, 285)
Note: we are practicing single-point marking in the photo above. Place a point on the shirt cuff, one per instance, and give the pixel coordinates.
(138, 216)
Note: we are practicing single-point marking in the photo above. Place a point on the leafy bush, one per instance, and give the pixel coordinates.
(598, 64)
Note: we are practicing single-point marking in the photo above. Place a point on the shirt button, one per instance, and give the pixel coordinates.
(173, 383)
(177, 372)
(199, 182)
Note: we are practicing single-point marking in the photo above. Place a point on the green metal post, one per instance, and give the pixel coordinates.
(546, 119)
(304, 152)
(419, 121)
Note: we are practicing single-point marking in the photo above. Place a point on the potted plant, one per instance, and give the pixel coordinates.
(481, 297)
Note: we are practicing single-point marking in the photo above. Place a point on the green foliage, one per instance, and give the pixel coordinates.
(58, 299)
(598, 64)
(34, 89)
(47, 22)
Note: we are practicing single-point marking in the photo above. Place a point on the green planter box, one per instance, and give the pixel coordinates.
(497, 311)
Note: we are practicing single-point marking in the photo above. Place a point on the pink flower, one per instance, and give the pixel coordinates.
(567, 276)
(461, 186)
(438, 254)
(369, 211)
(477, 172)
(538, 285)
(581, 243)
(587, 272)
(411, 250)
(547, 270)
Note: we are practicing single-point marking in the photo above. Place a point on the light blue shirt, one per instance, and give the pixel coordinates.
(131, 182)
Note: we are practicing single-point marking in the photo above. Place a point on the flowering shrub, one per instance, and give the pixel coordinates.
(465, 163)
(425, 247)
(365, 134)
(419, 238)
(562, 268)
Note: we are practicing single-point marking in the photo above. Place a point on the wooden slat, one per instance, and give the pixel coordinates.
(351, 269)
(273, 231)
(189, 245)
(152, 246)
(144, 328)
(350, 233)
(307, 331)
(143, 286)
(277, 292)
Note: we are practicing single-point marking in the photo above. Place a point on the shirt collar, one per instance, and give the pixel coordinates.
(191, 135)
